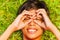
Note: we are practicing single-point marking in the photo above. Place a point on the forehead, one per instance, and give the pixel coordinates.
(32, 11)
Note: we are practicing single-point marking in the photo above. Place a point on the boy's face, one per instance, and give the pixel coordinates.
(32, 30)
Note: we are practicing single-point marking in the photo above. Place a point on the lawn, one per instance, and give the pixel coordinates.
(8, 12)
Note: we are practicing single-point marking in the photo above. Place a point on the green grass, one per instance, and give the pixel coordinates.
(8, 12)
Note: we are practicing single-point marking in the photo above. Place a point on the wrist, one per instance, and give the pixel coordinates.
(11, 28)
(56, 32)
(7, 33)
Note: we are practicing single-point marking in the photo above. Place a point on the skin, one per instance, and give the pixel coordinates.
(32, 25)
(20, 24)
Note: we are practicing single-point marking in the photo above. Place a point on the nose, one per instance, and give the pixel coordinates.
(32, 23)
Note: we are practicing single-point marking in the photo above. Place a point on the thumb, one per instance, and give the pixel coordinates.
(22, 25)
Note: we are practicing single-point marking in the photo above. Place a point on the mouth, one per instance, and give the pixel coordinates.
(32, 30)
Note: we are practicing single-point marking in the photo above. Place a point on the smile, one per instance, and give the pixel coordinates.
(31, 30)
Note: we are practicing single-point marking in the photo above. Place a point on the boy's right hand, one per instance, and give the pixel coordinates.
(18, 22)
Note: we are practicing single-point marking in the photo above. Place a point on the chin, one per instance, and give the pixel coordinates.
(33, 36)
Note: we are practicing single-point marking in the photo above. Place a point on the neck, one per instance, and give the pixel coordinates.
(25, 38)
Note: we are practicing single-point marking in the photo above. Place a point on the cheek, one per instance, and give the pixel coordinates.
(24, 29)
(40, 30)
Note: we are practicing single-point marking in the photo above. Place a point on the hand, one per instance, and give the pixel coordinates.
(18, 23)
(46, 19)
(43, 14)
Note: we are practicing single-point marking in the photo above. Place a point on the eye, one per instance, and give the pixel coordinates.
(38, 18)
(26, 19)
(40, 14)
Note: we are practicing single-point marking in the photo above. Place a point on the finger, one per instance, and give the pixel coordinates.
(44, 26)
(23, 18)
(40, 24)
(26, 13)
(28, 22)
(20, 16)
(39, 16)
(23, 13)
(24, 24)
(40, 10)
(37, 22)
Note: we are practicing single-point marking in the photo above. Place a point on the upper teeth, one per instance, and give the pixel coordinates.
(31, 30)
